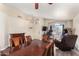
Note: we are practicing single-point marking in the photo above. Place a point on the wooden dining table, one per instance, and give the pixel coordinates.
(36, 48)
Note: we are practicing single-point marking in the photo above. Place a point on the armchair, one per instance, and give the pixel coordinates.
(67, 43)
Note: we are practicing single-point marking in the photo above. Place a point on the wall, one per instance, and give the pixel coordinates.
(76, 29)
(37, 30)
(17, 25)
(2, 31)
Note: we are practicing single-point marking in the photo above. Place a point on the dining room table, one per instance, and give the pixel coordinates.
(36, 48)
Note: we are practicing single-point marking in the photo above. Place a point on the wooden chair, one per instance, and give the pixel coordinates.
(47, 51)
(45, 38)
(15, 43)
(22, 35)
(28, 40)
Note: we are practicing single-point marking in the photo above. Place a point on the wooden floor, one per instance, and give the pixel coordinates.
(59, 52)
(67, 53)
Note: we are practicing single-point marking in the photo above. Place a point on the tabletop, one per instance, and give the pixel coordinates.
(36, 48)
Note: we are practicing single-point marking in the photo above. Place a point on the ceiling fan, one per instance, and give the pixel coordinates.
(37, 5)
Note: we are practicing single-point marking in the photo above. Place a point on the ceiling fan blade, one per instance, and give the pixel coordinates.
(36, 5)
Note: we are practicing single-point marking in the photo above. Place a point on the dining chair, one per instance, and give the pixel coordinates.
(45, 38)
(28, 40)
(22, 35)
(15, 43)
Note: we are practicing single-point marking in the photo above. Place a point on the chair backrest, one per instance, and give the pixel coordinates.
(69, 41)
(22, 35)
(15, 43)
(45, 37)
(28, 40)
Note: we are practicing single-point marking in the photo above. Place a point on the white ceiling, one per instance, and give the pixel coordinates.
(56, 11)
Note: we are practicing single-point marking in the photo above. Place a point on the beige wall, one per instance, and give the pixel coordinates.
(76, 29)
(17, 25)
(3, 30)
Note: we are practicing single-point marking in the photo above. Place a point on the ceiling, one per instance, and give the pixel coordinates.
(56, 11)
